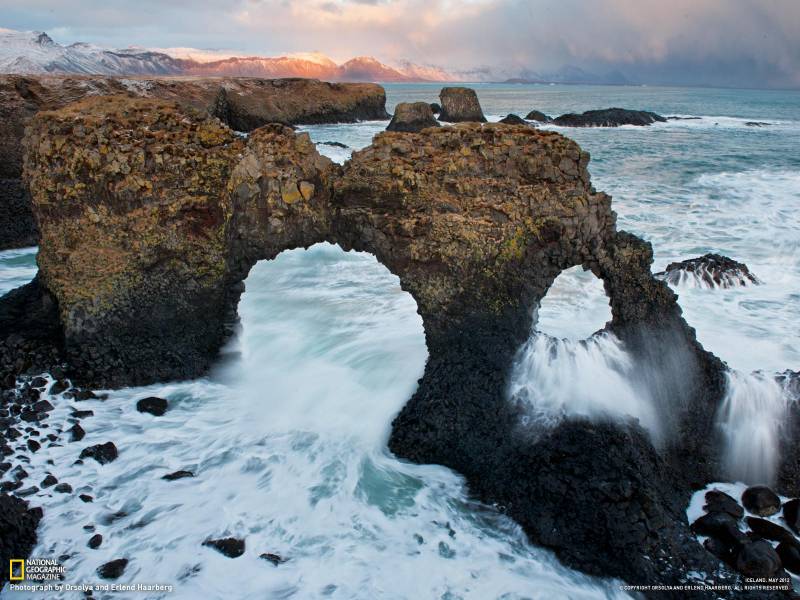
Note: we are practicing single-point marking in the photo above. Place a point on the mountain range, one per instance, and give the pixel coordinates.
(35, 52)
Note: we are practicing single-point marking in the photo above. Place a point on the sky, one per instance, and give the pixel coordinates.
(739, 43)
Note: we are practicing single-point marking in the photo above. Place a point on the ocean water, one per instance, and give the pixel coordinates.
(286, 436)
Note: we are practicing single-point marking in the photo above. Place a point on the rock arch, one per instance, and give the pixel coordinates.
(151, 216)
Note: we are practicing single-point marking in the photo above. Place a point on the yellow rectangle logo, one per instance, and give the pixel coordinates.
(16, 569)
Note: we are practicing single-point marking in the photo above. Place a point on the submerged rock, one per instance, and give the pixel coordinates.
(512, 119)
(460, 104)
(709, 270)
(275, 559)
(608, 117)
(102, 453)
(412, 116)
(230, 547)
(536, 115)
(95, 541)
(761, 500)
(155, 406)
(789, 553)
(112, 569)
(177, 475)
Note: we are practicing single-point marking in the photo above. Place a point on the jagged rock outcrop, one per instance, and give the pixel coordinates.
(18, 523)
(152, 215)
(537, 115)
(709, 270)
(608, 117)
(242, 103)
(460, 104)
(412, 117)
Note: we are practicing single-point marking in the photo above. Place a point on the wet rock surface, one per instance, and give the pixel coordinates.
(460, 104)
(413, 117)
(513, 119)
(230, 547)
(608, 117)
(152, 405)
(102, 453)
(112, 569)
(711, 270)
(761, 500)
(18, 523)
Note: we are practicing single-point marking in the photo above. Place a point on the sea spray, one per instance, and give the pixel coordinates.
(751, 419)
(595, 378)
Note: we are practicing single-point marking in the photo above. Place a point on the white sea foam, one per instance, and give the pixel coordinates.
(595, 378)
(287, 443)
(751, 418)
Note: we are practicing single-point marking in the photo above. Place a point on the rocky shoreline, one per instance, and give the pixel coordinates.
(152, 214)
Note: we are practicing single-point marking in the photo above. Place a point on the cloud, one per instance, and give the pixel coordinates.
(748, 43)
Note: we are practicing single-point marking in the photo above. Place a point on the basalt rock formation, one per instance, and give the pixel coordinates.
(412, 117)
(153, 214)
(242, 103)
(512, 119)
(18, 523)
(460, 104)
(709, 270)
(608, 117)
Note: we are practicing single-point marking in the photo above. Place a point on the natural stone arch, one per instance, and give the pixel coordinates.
(152, 216)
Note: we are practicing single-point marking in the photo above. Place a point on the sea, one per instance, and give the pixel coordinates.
(286, 436)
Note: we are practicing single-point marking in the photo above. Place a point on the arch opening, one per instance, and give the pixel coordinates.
(572, 366)
(327, 340)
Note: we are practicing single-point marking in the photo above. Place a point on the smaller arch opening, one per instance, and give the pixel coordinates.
(575, 307)
(572, 367)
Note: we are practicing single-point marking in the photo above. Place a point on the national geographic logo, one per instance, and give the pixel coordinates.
(35, 569)
(16, 569)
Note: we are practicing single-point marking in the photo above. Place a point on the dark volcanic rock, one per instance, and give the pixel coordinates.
(230, 547)
(112, 569)
(63, 488)
(334, 144)
(95, 541)
(18, 525)
(48, 481)
(721, 526)
(789, 553)
(791, 514)
(513, 119)
(76, 433)
(177, 475)
(768, 530)
(102, 453)
(761, 500)
(758, 559)
(717, 501)
(17, 225)
(460, 104)
(154, 406)
(275, 559)
(412, 116)
(712, 270)
(86, 498)
(536, 115)
(609, 117)
(435, 108)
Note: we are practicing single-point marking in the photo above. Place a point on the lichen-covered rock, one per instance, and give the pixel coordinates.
(412, 116)
(460, 104)
(242, 103)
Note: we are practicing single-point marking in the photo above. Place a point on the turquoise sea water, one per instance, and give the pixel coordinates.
(287, 435)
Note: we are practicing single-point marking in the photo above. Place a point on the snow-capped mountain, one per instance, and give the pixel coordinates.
(27, 52)
(34, 52)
